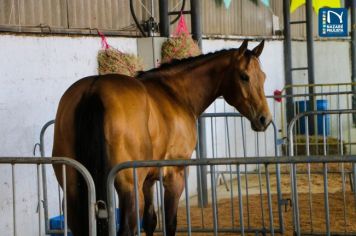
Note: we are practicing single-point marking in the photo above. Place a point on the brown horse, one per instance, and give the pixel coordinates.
(106, 120)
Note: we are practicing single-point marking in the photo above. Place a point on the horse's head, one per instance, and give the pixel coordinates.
(243, 86)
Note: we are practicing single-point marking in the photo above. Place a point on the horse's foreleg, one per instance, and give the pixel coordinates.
(149, 214)
(174, 186)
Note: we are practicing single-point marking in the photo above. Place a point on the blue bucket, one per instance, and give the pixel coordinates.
(323, 121)
(57, 223)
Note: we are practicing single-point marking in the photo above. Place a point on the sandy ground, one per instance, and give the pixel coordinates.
(255, 208)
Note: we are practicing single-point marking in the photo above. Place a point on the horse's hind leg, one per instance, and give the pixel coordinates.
(128, 213)
(77, 224)
(149, 214)
(173, 187)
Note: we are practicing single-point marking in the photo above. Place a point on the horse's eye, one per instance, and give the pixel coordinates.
(244, 77)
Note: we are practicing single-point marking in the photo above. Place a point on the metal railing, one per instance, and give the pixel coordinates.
(41, 146)
(284, 107)
(266, 161)
(185, 163)
(64, 162)
(228, 135)
(322, 142)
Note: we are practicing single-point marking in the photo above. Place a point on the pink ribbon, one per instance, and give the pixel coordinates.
(104, 43)
(181, 27)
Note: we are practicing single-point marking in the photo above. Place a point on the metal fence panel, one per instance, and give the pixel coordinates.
(214, 219)
(330, 96)
(330, 184)
(17, 199)
(217, 218)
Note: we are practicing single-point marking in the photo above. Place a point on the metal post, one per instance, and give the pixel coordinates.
(44, 175)
(310, 53)
(288, 60)
(201, 152)
(310, 44)
(202, 170)
(195, 19)
(353, 70)
(163, 18)
(353, 55)
(310, 60)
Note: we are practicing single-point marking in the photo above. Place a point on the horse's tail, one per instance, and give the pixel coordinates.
(90, 149)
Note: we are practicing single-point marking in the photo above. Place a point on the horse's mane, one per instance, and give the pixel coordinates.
(187, 61)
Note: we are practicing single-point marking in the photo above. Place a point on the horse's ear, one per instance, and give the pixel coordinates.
(258, 49)
(243, 47)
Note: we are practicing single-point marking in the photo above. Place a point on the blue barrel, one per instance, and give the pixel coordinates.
(323, 127)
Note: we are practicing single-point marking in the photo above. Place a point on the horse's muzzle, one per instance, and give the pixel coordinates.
(261, 123)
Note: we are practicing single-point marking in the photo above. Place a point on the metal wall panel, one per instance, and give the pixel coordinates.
(33, 12)
(297, 31)
(219, 20)
(242, 18)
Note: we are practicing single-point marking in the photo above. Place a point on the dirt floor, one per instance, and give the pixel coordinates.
(342, 219)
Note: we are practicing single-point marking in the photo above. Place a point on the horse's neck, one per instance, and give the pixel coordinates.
(199, 86)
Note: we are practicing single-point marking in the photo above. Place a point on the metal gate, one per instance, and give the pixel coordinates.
(325, 97)
(217, 211)
(212, 219)
(228, 135)
(331, 184)
(15, 199)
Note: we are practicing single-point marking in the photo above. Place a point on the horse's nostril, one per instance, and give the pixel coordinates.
(263, 120)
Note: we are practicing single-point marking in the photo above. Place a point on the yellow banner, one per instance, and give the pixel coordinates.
(317, 4)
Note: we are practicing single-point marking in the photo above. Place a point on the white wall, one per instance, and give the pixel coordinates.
(332, 63)
(36, 70)
(34, 73)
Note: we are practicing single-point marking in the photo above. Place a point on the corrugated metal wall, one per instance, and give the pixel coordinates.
(242, 18)
(68, 14)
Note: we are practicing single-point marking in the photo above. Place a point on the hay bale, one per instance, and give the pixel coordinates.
(316, 145)
(114, 61)
(179, 47)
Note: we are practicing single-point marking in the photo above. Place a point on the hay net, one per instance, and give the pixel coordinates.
(113, 61)
(181, 45)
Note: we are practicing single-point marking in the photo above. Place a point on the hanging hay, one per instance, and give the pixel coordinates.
(112, 61)
(179, 47)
